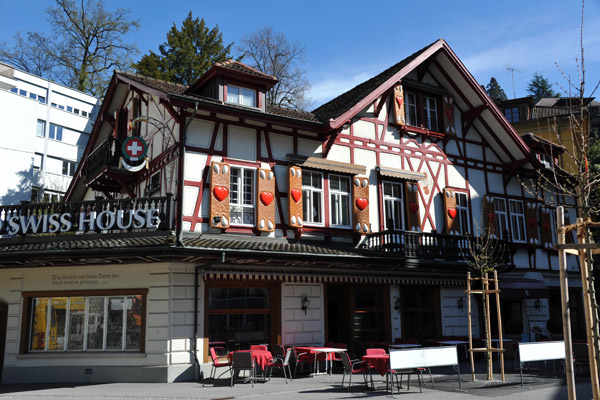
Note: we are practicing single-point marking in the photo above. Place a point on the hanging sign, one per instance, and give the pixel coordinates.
(134, 149)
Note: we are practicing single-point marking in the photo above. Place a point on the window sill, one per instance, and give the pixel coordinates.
(75, 355)
(417, 130)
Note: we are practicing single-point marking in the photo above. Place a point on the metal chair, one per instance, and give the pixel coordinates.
(302, 358)
(283, 363)
(242, 361)
(351, 368)
(373, 352)
(218, 362)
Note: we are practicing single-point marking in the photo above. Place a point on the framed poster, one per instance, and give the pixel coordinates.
(538, 331)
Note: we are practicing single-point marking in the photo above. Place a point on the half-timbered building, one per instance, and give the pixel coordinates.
(202, 217)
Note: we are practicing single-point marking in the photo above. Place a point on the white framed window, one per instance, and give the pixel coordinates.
(410, 108)
(393, 205)
(431, 114)
(241, 95)
(41, 128)
(241, 199)
(501, 222)
(546, 160)
(339, 194)
(55, 132)
(312, 197)
(38, 159)
(517, 220)
(69, 167)
(462, 211)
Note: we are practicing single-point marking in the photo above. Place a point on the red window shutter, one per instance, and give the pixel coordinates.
(448, 106)
(399, 106)
(546, 228)
(413, 218)
(489, 216)
(295, 211)
(265, 202)
(219, 195)
(360, 205)
(531, 223)
(452, 224)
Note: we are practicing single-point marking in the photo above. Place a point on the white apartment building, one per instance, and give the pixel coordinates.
(44, 128)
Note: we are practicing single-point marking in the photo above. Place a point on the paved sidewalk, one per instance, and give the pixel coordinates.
(537, 386)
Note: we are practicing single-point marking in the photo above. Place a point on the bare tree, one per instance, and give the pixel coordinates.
(271, 53)
(570, 127)
(86, 45)
(486, 253)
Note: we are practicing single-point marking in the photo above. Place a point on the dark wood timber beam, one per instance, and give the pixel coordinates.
(470, 115)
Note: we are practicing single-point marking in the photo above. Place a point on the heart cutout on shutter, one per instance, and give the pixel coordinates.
(296, 195)
(220, 192)
(532, 222)
(546, 227)
(452, 212)
(399, 100)
(362, 203)
(414, 207)
(449, 113)
(266, 198)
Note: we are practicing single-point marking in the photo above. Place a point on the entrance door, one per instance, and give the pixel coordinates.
(3, 313)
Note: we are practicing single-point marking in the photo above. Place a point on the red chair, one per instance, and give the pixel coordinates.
(258, 347)
(329, 344)
(218, 362)
(373, 352)
(351, 368)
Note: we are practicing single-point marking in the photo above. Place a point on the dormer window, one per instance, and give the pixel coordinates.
(241, 95)
(421, 109)
(546, 160)
(512, 114)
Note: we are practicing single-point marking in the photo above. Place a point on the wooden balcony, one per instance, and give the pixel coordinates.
(104, 156)
(433, 246)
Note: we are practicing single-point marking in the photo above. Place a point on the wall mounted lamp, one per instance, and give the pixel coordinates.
(538, 304)
(397, 304)
(305, 303)
(461, 303)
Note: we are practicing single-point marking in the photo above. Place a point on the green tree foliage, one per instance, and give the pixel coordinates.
(540, 87)
(271, 53)
(187, 53)
(86, 45)
(495, 91)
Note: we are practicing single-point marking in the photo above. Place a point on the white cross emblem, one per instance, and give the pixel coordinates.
(134, 148)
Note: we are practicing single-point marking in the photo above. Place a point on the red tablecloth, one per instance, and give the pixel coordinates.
(260, 357)
(380, 362)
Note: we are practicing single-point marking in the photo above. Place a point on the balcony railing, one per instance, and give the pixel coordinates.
(57, 218)
(107, 154)
(435, 246)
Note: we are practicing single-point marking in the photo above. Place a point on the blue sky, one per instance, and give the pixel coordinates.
(348, 42)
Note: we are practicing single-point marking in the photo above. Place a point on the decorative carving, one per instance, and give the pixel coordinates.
(295, 210)
(219, 199)
(360, 212)
(265, 207)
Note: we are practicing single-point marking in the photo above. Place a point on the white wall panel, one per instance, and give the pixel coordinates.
(241, 143)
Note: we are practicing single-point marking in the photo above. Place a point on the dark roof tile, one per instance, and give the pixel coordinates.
(346, 101)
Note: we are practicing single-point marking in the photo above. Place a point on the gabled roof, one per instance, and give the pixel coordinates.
(345, 102)
(236, 70)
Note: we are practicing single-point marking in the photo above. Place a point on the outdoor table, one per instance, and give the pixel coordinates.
(313, 352)
(404, 345)
(456, 343)
(380, 362)
(261, 358)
